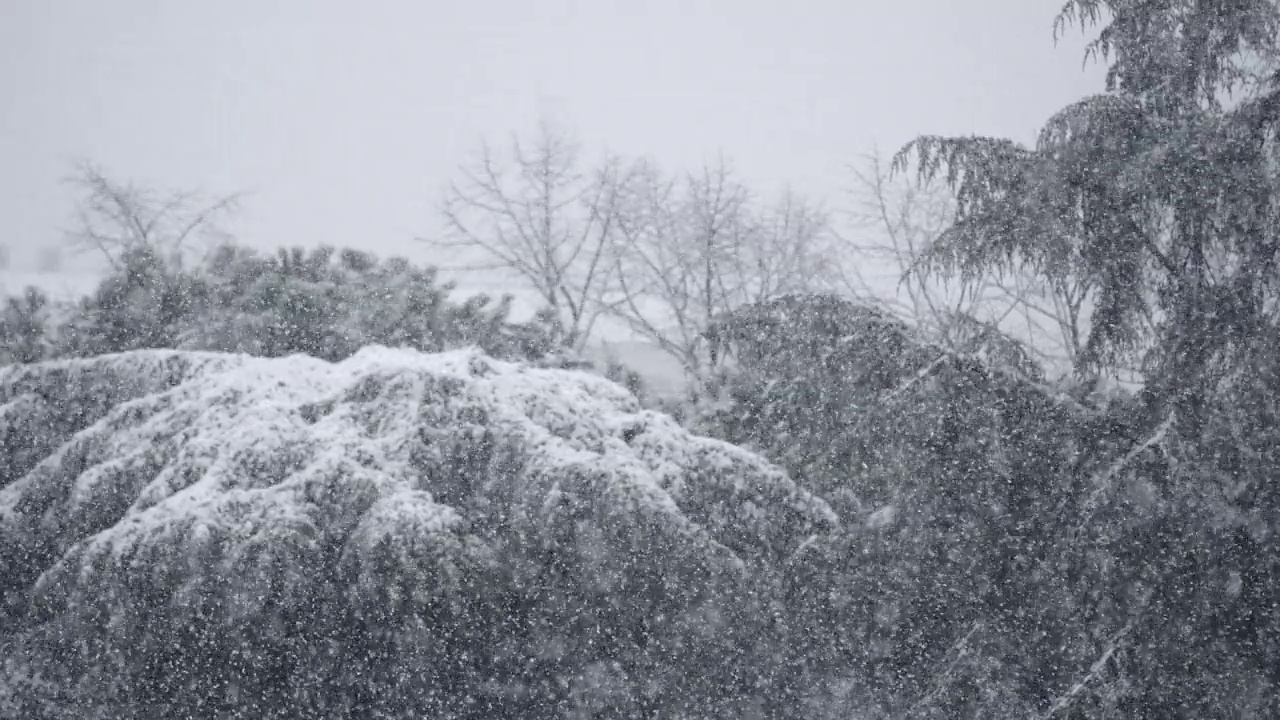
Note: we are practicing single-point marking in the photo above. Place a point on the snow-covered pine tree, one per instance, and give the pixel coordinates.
(1163, 191)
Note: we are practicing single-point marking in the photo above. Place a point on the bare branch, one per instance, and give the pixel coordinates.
(537, 212)
(700, 246)
(113, 218)
(1095, 670)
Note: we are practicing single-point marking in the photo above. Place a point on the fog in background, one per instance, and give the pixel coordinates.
(343, 122)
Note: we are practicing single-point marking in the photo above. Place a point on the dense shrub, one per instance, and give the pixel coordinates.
(1009, 546)
(396, 535)
(321, 303)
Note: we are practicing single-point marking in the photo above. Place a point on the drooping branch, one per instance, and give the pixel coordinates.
(945, 286)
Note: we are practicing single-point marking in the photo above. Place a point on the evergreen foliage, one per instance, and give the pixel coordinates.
(397, 535)
(1010, 549)
(953, 537)
(321, 303)
(1064, 554)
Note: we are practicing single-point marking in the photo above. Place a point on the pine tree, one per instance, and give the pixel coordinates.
(1163, 192)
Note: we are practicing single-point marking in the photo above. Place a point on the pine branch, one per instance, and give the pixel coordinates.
(1104, 481)
(1064, 700)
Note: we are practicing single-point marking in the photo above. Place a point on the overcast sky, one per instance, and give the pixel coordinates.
(344, 119)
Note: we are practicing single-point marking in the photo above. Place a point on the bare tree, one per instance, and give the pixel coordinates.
(113, 218)
(700, 246)
(897, 219)
(791, 250)
(540, 212)
(895, 223)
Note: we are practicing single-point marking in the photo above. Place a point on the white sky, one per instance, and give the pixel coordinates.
(344, 119)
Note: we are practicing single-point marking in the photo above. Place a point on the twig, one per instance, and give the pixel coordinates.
(1095, 669)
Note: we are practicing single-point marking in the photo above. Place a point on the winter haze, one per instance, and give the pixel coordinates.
(345, 122)
(559, 361)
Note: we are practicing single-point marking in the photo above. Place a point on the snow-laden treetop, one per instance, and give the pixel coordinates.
(159, 489)
(239, 446)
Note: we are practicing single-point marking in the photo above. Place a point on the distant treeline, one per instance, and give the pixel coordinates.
(323, 302)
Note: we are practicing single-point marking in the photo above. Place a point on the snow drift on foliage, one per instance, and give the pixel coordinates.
(152, 453)
(160, 509)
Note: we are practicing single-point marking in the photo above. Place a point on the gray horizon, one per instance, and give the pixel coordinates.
(343, 127)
